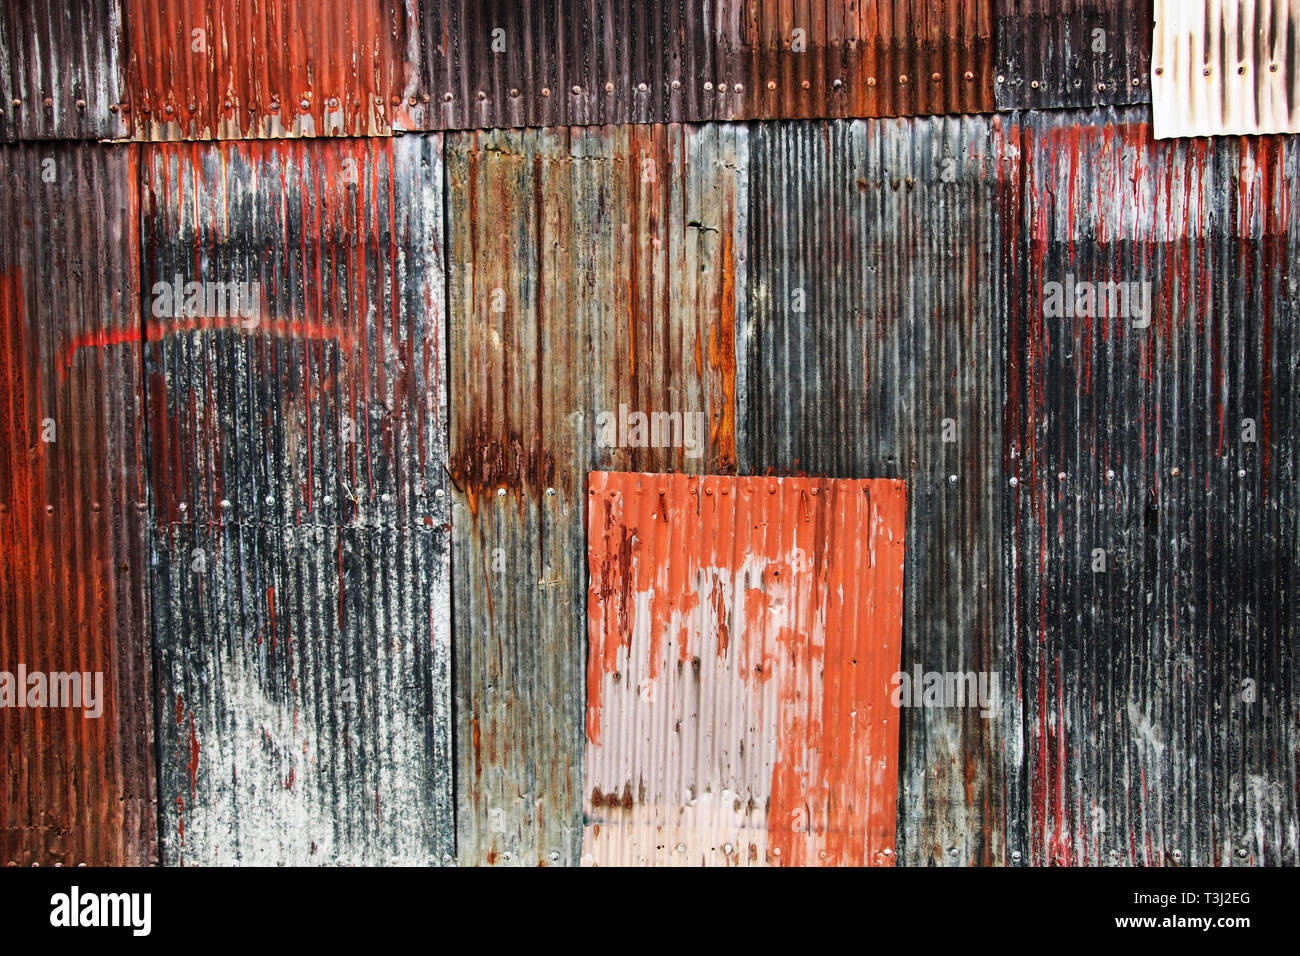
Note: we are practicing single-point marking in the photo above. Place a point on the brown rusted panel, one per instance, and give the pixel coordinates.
(232, 69)
(592, 272)
(77, 788)
(873, 58)
(1226, 68)
(744, 637)
(1072, 53)
(60, 69)
(299, 563)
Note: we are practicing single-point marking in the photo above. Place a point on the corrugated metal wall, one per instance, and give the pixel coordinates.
(366, 583)
(76, 788)
(1072, 53)
(589, 269)
(300, 546)
(743, 633)
(60, 70)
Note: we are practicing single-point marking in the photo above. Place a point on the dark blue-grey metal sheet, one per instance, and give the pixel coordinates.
(1156, 511)
(300, 579)
(873, 346)
(1055, 54)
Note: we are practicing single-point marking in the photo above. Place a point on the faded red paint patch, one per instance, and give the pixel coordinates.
(743, 637)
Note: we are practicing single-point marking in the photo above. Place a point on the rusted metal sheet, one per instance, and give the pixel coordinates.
(78, 777)
(1226, 67)
(844, 58)
(504, 63)
(594, 274)
(60, 70)
(743, 634)
(293, 331)
(1072, 53)
(1153, 438)
(879, 273)
(232, 69)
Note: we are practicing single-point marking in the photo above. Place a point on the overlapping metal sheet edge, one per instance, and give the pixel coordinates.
(744, 634)
(1054, 54)
(78, 786)
(300, 555)
(1226, 68)
(593, 272)
(881, 262)
(1155, 517)
(60, 70)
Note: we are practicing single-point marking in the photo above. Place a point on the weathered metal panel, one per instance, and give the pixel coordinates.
(1153, 438)
(301, 611)
(744, 634)
(76, 788)
(881, 262)
(844, 58)
(232, 69)
(1072, 53)
(1226, 67)
(60, 69)
(504, 63)
(590, 268)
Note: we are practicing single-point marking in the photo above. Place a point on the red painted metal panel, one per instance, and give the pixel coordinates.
(231, 69)
(77, 770)
(744, 634)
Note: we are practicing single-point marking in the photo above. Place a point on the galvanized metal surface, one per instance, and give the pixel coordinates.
(874, 346)
(1072, 53)
(844, 58)
(1226, 67)
(60, 69)
(75, 787)
(594, 270)
(300, 560)
(1155, 522)
(743, 634)
(232, 69)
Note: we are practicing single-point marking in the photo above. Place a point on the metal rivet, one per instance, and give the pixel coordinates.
(936, 77)
(1272, 68)
(1101, 87)
(1109, 474)
(1015, 855)
(1160, 71)
(16, 102)
(49, 509)
(677, 84)
(1241, 70)
(501, 492)
(1242, 854)
(270, 499)
(424, 97)
(397, 101)
(1002, 79)
(576, 91)
(1060, 476)
(1175, 472)
(952, 479)
(969, 76)
(446, 97)
(1241, 473)
(546, 91)
(482, 95)
(439, 493)
(739, 88)
(1034, 84)
(806, 85)
(708, 86)
(903, 79)
(1136, 81)
(506, 856)
(722, 87)
(771, 84)
(225, 503)
(554, 856)
(837, 83)
(94, 506)
(182, 506)
(550, 491)
(640, 86)
(327, 500)
(1207, 71)
(81, 104)
(609, 87)
(1014, 482)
